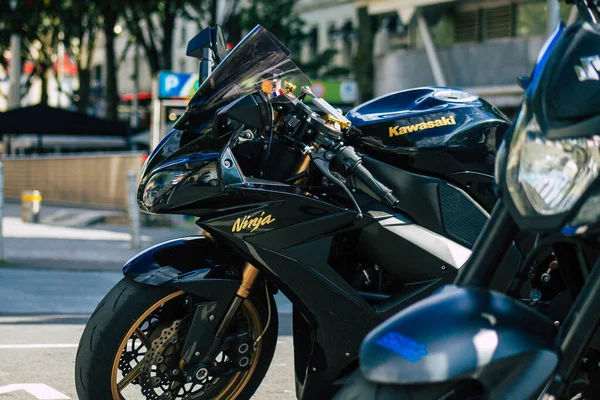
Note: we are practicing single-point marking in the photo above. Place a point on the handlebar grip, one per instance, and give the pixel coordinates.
(348, 163)
(380, 190)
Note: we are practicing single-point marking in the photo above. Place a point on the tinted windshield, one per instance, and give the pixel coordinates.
(258, 60)
(254, 64)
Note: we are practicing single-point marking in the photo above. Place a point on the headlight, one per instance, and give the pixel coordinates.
(160, 184)
(547, 177)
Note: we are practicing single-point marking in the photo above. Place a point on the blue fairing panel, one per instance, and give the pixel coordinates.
(456, 334)
(171, 260)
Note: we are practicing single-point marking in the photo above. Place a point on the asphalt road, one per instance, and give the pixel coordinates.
(42, 316)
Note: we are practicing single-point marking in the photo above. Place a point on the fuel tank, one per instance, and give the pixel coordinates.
(436, 131)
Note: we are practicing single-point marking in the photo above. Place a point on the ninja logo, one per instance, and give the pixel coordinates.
(252, 224)
(588, 70)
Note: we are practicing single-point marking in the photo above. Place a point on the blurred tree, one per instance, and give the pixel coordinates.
(151, 22)
(5, 32)
(42, 24)
(364, 59)
(81, 22)
(6, 25)
(320, 67)
(38, 27)
(204, 13)
(278, 17)
(39, 23)
(109, 12)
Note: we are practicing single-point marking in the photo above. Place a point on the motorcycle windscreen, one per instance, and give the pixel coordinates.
(258, 63)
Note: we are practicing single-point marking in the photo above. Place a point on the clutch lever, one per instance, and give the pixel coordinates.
(318, 158)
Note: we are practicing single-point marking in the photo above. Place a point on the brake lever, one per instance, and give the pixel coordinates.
(318, 158)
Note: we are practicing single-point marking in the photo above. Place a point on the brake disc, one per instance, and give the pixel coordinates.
(135, 350)
(160, 377)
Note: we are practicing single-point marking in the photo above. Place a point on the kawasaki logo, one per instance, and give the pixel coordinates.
(588, 71)
(403, 130)
(252, 224)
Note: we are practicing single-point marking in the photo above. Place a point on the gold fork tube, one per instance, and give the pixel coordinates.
(249, 275)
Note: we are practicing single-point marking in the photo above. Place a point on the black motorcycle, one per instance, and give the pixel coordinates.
(352, 218)
(469, 342)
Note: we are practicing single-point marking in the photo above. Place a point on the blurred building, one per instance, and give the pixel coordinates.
(479, 45)
(330, 24)
(126, 82)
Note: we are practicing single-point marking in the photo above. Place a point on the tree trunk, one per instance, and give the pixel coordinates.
(112, 94)
(167, 44)
(44, 94)
(85, 61)
(364, 60)
(84, 90)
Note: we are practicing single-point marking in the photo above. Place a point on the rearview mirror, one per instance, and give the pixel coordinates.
(209, 47)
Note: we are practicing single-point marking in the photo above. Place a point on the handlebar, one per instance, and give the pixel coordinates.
(347, 163)
(381, 191)
(330, 150)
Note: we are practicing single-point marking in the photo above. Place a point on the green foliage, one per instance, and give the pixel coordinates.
(320, 67)
(150, 23)
(39, 23)
(532, 18)
(277, 17)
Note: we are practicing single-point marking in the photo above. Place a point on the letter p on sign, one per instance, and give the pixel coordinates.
(171, 82)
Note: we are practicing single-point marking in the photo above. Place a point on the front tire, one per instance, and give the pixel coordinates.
(126, 319)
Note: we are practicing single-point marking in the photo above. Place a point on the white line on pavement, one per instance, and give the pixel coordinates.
(38, 346)
(38, 390)
(41, 318)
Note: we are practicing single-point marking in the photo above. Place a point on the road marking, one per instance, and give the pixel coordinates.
(38, 390)
(42, 318)
(38, 346)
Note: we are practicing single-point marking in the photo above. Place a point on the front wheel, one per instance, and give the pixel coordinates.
(130, 348)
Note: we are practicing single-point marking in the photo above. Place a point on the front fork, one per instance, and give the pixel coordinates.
(249, 275)
(203, 318)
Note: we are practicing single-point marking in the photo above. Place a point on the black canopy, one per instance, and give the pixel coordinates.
(45, 120)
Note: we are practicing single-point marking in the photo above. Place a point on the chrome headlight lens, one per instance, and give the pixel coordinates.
(547, 177)
(160, 184)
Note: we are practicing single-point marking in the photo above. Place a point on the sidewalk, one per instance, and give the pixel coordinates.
(100, 247)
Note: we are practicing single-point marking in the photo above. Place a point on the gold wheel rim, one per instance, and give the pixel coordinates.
(236, 384)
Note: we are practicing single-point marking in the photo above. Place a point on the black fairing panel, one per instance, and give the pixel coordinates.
(431, 129)
(174, 259)
(567, 101)
(456, 334)
(431, 202)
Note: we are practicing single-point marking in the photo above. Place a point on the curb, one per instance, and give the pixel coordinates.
(63, 265)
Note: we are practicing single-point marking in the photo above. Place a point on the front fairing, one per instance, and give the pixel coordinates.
(187, 156)
(258, 62)
(194, 170)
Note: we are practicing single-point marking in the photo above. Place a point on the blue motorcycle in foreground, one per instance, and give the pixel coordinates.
(469, 342)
